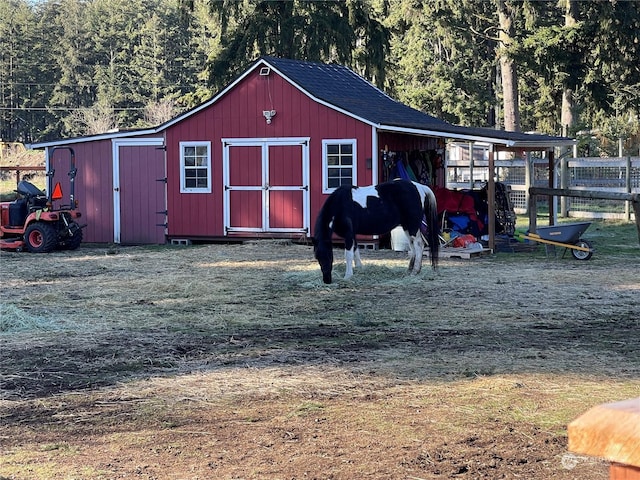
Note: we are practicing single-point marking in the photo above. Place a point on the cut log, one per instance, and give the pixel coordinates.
(610, 431)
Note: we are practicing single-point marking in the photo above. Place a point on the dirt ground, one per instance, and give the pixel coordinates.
(236, 362)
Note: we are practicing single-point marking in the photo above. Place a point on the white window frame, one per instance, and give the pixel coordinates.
(183, 188)
(325, 163)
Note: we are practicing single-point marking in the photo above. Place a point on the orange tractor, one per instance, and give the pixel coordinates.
(31, 220)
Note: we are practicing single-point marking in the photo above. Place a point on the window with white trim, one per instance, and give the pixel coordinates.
(338, 164)
(195, 167)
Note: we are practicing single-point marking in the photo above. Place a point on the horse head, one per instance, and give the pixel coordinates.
(323, 251)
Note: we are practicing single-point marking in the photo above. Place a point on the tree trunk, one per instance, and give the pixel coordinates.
(568, 108)
(508, 73)
(567, 118)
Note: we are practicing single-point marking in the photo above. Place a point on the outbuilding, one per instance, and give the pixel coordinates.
(260, 157)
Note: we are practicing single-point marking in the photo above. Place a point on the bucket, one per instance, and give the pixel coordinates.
(399, 240)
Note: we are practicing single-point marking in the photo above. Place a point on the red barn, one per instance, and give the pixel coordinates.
(259, 158)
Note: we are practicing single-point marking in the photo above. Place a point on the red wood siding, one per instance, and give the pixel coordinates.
(93, 187)
(247, 209)
(238, 114)
(285, 209)
(401, 142)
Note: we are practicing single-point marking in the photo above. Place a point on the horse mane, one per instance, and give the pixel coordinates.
(323, 229)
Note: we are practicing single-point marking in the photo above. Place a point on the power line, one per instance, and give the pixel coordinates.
(90, 85)
(62, 109)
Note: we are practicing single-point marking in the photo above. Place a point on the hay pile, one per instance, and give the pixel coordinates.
(15, 319)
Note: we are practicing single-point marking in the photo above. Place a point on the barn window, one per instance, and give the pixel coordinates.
(338, 164)
(195, 167)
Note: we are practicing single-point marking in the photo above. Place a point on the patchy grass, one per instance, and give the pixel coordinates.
(236, 361)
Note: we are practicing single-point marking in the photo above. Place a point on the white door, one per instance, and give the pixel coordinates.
(266, 185)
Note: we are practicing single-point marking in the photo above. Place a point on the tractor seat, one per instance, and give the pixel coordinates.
(28, 189)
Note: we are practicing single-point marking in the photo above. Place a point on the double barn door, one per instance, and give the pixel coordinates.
(266, 185)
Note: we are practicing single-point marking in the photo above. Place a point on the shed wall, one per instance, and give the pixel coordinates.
(239, 114)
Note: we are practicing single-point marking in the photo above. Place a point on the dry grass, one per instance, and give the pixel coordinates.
(235, 361)
(185, 308)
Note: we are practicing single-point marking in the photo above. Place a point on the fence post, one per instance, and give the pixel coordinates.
(627, 205)
(528, 175)
(564, 176)
(635, 202)
(610, 431)
(471, 182)
(533, 212)
(552, 184)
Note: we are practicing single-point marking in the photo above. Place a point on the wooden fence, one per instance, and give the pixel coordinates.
(17, 173)
(610, 175)
(631, 198)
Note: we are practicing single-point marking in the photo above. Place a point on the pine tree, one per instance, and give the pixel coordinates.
(25, 77)
(443, 59)
(323, 31)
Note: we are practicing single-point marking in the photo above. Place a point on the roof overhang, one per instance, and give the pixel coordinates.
(496, 141)
(92, 138)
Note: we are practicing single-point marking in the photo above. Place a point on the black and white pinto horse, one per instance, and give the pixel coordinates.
(376, 210)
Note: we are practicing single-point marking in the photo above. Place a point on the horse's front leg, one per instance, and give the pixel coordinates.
(356, 255)
(348, 257)
(350, 251)
(416, 247)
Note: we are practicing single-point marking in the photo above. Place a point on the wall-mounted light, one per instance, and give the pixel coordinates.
(269, 114)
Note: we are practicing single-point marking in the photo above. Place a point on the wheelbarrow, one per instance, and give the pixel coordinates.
(565, 235)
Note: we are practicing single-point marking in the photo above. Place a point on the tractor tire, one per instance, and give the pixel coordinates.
(72, 243)
(40, 237)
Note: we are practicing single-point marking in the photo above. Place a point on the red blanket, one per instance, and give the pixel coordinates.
(455, 202)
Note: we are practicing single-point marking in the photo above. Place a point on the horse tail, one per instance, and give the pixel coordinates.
(433, 230)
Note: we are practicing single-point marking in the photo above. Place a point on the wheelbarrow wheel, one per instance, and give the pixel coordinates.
(581, 254)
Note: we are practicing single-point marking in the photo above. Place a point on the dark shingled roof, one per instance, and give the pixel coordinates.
(341, 87)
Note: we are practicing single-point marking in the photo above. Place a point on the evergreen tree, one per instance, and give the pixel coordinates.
(574, 64)
(73, 60)
(443, 56)
(120, 59)
(581, 58)
(508, 72)
(202, 46)
(323, 31)
(25, 77)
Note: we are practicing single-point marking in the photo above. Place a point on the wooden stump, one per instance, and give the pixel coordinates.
(610, 431)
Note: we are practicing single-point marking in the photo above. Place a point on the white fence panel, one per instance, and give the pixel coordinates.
(614, 174)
